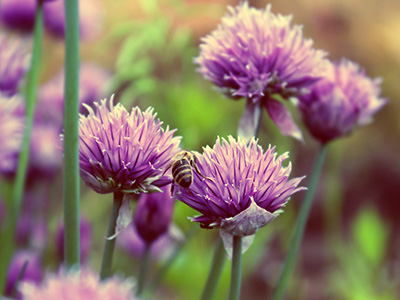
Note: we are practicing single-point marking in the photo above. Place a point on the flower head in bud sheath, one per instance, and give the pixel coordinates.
(153, 215)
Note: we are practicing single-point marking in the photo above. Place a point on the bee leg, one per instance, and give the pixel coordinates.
(172, 188)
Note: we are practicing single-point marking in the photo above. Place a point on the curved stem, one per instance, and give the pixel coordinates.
(236, 273)
(20, 177)
(109, 245)
(71, 137)
(215, 272)
(144, 267)
(299, 227)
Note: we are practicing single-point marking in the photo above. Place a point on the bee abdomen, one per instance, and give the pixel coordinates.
(182, 173)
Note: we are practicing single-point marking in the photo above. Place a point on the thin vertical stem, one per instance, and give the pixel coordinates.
(19, 278)
(71, 138)
(143, 268)
(109, 245)
(236, 273)
(215, 272)
(298, 230)
(20, 178)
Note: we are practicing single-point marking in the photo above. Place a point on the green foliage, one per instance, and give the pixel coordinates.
(370, 236)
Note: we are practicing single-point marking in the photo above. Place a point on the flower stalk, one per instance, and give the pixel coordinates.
(108, 252)
(20, 178)
(236, 273)
(71, 146)
(215, 272)
(299, 227)
(143, 269)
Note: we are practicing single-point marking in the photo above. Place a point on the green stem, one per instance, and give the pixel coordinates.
(71, 137)
(298, 230)
(19, 278)
(109, 246)
(236, 273)
(20, 178)
(144, 267)
(215, 272)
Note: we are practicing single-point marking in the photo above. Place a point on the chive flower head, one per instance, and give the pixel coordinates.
(240, 187)
(75, 285)
(344, 99)
(255, 53)
(122, 151)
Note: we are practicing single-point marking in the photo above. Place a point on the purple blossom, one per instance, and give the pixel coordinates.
(240, 187)
(343, 99)
(12, 125)
(18, 14)
(92, 82)
(14, 62)
(122, 151)
(255, 54)
(85, 240)
(90, 18)
(33, 272)
(74, 285)
(153, 215)
(45, 154)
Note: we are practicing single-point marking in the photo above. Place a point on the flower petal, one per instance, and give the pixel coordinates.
(283, 119)
(248, 221)
(227, 239)
(124, 216)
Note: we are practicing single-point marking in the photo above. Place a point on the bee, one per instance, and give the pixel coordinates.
(182, 166)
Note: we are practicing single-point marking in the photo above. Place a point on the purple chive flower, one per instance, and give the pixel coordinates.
(153, 215)
(90, 18)
(74, 285)
(12, 125)
(241, 188)
(18, 14)
(255, 54)
(45, 154)
(85, 239)
(122, 151)
(33, 272)
(14, 62)
(343, 99)
(92, 82)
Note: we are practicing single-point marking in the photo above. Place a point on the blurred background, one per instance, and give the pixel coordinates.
(142, 51)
